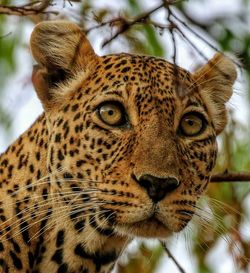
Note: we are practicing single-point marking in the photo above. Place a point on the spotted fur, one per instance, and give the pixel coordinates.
(71, 189)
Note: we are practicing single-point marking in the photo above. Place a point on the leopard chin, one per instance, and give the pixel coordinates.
(153, 227)
(149, 228)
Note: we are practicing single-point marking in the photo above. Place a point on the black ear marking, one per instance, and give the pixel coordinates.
(57, 76)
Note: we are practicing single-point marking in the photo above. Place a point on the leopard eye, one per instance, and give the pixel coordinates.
(112, 113)
(192, 124)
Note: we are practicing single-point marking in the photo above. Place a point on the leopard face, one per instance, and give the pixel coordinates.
(136, 130)
(125, 147)
(129, 135)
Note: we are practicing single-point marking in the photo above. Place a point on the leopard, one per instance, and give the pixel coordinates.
(124, 149)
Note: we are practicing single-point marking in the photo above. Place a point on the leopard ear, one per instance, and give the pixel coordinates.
(215, 81)
(61, 50)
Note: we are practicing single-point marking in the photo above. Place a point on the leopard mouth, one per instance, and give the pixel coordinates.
(158, 225)
(153, 220)
(150, 227)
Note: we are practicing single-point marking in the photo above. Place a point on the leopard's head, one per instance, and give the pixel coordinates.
(132, 136)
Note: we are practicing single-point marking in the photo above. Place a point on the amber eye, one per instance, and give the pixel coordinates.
(112, 113)
(192, 124)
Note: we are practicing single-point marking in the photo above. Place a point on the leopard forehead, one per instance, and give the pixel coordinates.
(154, 75)
(142, 82)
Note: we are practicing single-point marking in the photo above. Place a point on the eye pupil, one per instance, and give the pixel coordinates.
(190, 122)
(111, 112)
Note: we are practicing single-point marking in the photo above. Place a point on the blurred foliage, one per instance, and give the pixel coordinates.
(8, 43)
(230, 32)
(152, 46)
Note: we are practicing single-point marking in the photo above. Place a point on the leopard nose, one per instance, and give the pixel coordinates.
(157, 188)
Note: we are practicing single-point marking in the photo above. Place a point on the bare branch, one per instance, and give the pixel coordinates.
(231, 177)
(26, 10)
(195, 33)
(174, 24)
(112, 22)
(171, 30)
(126, 24)
(172, 258)
(6, 35)
(142, 18)
(191, 44)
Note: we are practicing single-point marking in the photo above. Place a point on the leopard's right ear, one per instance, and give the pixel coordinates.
(61, 50)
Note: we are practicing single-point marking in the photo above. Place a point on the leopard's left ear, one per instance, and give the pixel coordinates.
(61, 50)
(215, 81)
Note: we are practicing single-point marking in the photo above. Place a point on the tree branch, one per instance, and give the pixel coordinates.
(172, 258)
(230, 177)
(124, 24)
(174, 23)
(29, 9)
(142, 18)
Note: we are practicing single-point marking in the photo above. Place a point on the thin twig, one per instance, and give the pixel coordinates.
(126, 24)
(111, 22)
(231, 177)
(191, 44)
(200, 37)
(173, 258)
(194, 32)
(5, 35)
(37, 7)
(171, 30)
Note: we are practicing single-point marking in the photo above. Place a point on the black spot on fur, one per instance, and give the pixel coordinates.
(60, 238)
(31, 259)
(16, 261)
(24, 226)
(98, 259)
(58, 256)
(63, 268)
